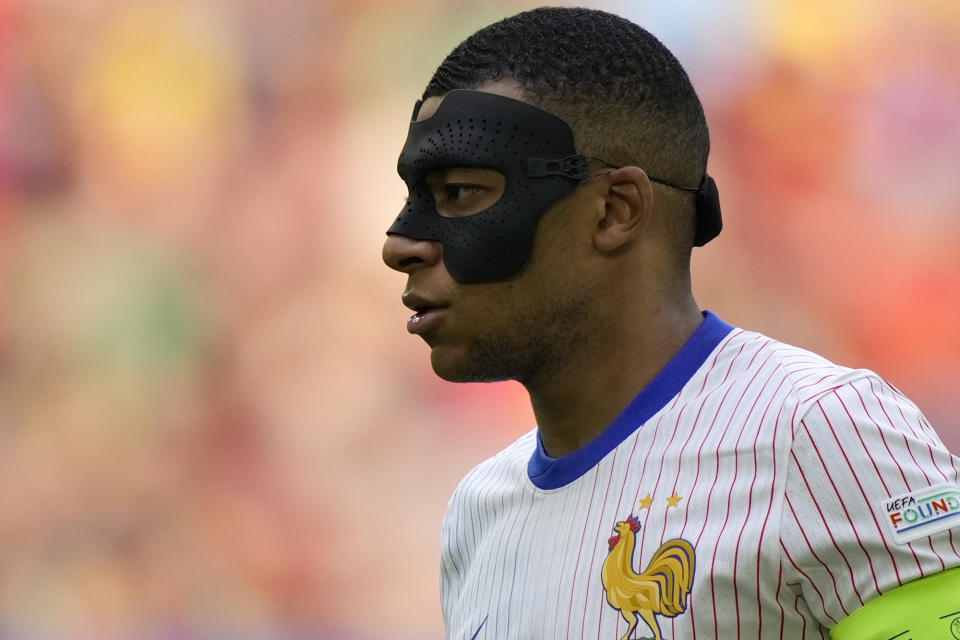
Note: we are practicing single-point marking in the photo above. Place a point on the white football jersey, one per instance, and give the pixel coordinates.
(751, 490)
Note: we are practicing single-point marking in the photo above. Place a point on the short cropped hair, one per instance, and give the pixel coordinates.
(625, 95)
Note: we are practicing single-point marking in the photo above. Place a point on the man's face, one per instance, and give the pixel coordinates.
(516, 328)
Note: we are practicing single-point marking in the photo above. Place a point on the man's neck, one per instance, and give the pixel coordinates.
(576, 404)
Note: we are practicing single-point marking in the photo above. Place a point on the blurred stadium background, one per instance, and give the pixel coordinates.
(212, 421)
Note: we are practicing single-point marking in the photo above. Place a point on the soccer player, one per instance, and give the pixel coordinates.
(686, 479)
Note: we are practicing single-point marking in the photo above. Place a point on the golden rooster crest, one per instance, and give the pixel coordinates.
(661, 589)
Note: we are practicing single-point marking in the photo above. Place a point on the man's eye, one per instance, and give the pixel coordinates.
(457, 192)
(463, 191)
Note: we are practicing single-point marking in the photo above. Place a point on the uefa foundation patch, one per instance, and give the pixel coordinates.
(922, 513)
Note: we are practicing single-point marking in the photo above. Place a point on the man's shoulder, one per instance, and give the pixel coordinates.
(824, 395)
(808, 375)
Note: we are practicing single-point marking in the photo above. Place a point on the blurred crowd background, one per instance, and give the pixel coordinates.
(212, 421)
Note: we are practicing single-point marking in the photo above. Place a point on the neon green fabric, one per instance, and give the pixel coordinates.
(925, 609)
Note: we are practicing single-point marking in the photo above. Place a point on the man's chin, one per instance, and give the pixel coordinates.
(460, 367)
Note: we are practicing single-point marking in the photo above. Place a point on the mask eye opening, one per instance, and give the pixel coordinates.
(460, 192)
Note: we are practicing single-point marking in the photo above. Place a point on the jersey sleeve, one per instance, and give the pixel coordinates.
(860, 451)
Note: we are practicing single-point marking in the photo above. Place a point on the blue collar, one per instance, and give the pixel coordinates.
(552, 473)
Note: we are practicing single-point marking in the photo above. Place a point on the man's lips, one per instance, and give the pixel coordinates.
(427, 312)
(422, 320)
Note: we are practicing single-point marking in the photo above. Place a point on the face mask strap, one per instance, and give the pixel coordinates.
(707, 204)
(709, 220)
(572, 166)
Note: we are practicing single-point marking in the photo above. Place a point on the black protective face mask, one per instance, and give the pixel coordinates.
(535, 152)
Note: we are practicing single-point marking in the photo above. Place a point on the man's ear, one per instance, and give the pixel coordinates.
(628, 203)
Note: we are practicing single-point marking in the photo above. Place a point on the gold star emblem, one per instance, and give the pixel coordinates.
(646, 502)
(674, 500)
